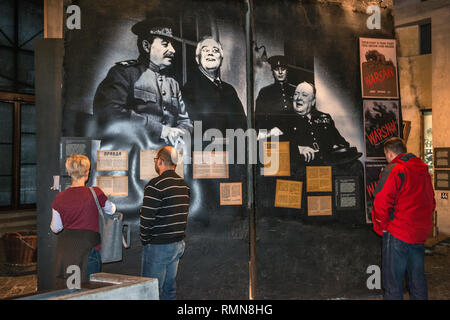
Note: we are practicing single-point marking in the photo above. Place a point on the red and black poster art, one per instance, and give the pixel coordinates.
(381, 122)
(378, 68)
(372, 175)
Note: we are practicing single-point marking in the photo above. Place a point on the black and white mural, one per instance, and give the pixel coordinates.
(142, 74)
(148, 75)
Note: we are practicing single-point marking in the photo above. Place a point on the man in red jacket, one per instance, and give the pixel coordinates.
(402, 215)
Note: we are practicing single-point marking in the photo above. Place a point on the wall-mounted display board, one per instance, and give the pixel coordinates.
(378, 58)
(442, 158)
(347, 193)
(77, 145)
(442, 179)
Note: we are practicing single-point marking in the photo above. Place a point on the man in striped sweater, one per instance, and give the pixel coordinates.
(163, 222)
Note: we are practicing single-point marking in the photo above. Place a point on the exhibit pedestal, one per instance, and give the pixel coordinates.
(107, 286)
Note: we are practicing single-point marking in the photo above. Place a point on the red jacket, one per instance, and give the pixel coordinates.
(404, 200)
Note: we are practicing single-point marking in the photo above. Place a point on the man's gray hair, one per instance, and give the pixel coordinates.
(200, 44)
(313, 88)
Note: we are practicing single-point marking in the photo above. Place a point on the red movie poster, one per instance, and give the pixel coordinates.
(372, 175)
(378, 68)
(380, 123)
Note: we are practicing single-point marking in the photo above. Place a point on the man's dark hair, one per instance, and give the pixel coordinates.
(149, 38)
(396, 145)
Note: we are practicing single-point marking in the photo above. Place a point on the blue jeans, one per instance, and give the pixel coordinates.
(400, 257)
(94, 262)
(161, 261)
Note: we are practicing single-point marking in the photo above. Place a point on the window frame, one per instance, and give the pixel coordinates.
(17, 99)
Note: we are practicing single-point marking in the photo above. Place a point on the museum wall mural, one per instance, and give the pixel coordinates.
(139, 75)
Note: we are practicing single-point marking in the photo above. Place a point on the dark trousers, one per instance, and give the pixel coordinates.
(399, 258)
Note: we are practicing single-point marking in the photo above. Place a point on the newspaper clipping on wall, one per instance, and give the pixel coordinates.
(276, 159)
(288, 194)
(231, 193)
(210, 165)
(112, 160)
(115, 186)
(319, 206)
(318, 179)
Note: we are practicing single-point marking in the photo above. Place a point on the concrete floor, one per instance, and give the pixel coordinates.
(437, 270)
(437, 266)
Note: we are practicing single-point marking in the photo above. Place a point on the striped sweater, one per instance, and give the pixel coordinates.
(164, 209)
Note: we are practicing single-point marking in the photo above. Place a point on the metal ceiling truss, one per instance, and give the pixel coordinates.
(17, 48)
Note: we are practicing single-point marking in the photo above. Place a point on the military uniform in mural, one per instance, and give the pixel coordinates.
(274, 102)
(275, 98)
(139, 106)
(312, 134)
(317, 132)
(144, 95)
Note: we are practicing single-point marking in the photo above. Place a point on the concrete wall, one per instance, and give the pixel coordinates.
(415, 83)
(409, 12)
(415, 91)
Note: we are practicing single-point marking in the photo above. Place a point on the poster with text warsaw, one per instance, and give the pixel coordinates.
(378, 68)
(381, 122)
